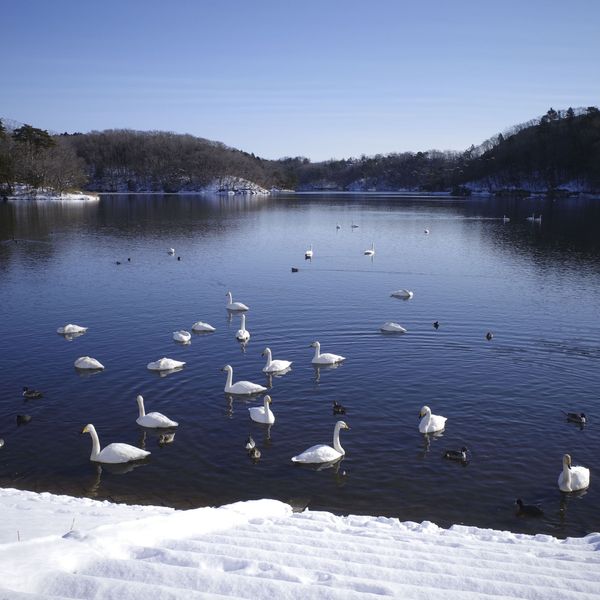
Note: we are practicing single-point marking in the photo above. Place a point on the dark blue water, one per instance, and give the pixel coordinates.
(535, 286)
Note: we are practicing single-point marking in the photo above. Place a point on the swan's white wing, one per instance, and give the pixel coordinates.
(121, 453)
(87, 362)
(165, 364)
(317, 454)
(277, 365)
(246, 387)
(156, 419)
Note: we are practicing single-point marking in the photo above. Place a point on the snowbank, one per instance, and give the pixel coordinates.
(260, 549)
(24, 192)
(235, 185)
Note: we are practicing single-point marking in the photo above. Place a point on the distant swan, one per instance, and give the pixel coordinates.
(391, 327)
(309, 252)
(262, 414)
(171, 251)
(242, 335)
(153, 419)
(403, 294)
(426, 231)
(430, 423)
(240, 388)
(273, 366)
(322, 453)
(86, 362)
(200, 326)
(70, 328)
(572, 478)
(182, 336)
(113, 453)
(326, 358)
(165, 364)
(231, 305)
(370, 251)
(505, 219)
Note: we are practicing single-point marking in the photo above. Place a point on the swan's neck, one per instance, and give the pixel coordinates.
(566, 475)
(336, 439)
(317, 350)
(140, 402)
(427, 420)
(268, 355)
(229, 298)
(95, 445)
(229, 378)
(243, 326)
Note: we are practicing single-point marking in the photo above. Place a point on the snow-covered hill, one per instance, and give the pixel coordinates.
(260, 549)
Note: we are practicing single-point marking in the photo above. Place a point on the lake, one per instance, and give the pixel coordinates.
(536, 286)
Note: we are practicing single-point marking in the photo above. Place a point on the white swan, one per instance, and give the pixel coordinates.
(430, 423)
(392, 327)
(242, 335)
(322, 453)
(202, 326)
(572, 478)
(70, 328)
(86, 362)
(404, 294)
(326, 358)
(171, 251)
(240, 388)
(231, 305)
(182, 336)
(165, 364)
(113, 453)
(262, 414)
(153, 419)
(309, 252)
(370, 251)
(273, 366)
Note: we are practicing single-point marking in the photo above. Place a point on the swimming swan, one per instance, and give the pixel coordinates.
(165, 364)
(309, 252)
(370, 251)
(326, 358)
(70, 329)
(323, 453)
(403, 294)
(182, 336)
(262, 414)
(273, 366)
(201, 326)
(86, 362)
(242, 335)
(153, 419)
(231, 305)
(240, 388)
(430, 423)
(572, 478)
(391, 327)
(113, 453)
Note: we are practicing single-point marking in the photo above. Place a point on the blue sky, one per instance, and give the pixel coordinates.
(320, 79)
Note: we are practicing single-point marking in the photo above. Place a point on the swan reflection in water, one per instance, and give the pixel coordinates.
(112, 469)
(319, 368)
(427, 439)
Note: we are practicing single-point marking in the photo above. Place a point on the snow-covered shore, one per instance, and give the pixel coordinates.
(82, 548)
(23, 192)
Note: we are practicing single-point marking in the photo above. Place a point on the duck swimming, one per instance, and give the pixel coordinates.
(460, 455)
(338, 409)
(325, 358)
(528, 510)
(436, 324)
(321, 453)
(254, 453)
(113, 453)
(430, 423)
(578, 418)
(31, 394)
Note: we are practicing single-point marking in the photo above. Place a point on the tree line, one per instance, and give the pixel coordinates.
(545, 153)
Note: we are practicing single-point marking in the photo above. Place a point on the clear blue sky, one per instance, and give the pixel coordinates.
(315, 78)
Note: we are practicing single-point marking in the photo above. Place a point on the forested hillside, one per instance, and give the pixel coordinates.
(559, 151)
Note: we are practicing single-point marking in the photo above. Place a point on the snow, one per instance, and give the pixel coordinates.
(261, 549)
(24, 192)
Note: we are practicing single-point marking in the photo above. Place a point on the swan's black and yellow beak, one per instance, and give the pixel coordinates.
(84, 430)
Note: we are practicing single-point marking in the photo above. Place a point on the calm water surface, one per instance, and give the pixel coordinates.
(536, 286)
